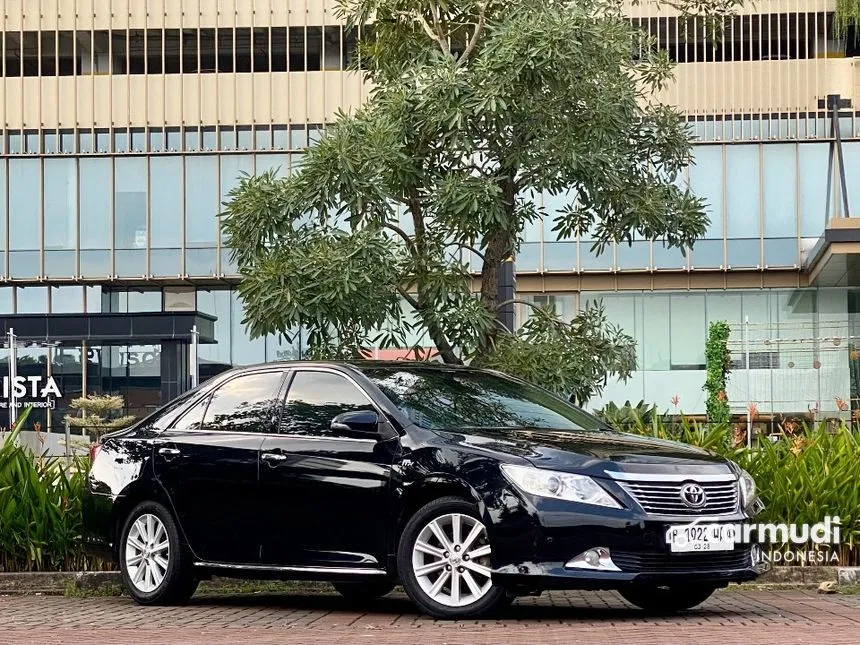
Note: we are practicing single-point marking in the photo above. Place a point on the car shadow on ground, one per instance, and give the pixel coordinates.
(602, 608)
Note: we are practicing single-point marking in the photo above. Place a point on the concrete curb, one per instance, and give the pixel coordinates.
(58, 582)
(110, 581)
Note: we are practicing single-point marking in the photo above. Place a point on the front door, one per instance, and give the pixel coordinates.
(208, 464)
(327, 495)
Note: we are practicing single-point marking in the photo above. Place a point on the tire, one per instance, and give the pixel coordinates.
(666, 600)
(362, 593)
(163, 577)
(439, 586)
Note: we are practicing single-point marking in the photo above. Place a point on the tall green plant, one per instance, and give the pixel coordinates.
(40, 510)
(846, 14)
(718, 365)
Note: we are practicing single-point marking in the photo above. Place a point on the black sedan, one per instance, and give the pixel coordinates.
(466, 486)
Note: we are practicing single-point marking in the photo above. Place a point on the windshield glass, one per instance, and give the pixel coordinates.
(439, 399)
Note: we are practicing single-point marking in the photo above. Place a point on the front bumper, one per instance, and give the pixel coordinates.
(535, 538)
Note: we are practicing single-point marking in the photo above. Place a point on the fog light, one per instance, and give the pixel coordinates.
(596, 559)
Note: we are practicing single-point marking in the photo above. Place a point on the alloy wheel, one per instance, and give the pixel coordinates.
(147, 553)
(451, 560)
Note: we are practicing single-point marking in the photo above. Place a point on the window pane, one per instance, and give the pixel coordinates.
(687, 319)
(706, 181)
(243, 49)
(191, 419)
(201, 197)
(165, 201)
(245, 351)
(780, 198)
(656, 332)
(60, 195)
(315, 398)
(742, 191)
(244, 404)
(232, 167)
(813, 188)
(32, 300)
(130, 202)
(24, 217)
(67, 300)
(95, 203)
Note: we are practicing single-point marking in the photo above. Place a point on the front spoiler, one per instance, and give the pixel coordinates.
(541, 576)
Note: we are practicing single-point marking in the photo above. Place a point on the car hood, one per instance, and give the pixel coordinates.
(594, 452)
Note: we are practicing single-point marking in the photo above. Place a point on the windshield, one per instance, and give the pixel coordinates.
(440, 399)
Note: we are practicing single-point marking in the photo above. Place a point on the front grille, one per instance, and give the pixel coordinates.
(654, 562)
(664, 497)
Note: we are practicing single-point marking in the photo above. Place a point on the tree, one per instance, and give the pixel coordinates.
(475, 106)
(98, 414)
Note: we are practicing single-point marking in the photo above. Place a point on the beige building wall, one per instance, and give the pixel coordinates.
(700, 88)
(125, 100)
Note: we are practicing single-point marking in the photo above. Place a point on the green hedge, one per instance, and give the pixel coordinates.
(40, 511)
(800, 479)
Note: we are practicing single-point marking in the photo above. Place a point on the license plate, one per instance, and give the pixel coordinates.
(687, 538)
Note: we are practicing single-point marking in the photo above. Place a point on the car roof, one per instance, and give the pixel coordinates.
(360, 364)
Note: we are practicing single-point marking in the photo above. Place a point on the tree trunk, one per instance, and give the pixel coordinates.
(500, 243)
(437, 334)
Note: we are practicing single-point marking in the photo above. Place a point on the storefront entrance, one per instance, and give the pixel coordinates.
(147, 359)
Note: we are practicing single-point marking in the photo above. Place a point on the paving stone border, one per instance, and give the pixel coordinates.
(106, 582)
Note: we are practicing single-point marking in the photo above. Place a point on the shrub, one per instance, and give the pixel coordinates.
(40, 510)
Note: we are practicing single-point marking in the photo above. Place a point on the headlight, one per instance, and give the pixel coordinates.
(748, 492)
(548, 483)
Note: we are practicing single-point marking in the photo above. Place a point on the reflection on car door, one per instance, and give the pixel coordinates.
(208, 465)
(326, 495)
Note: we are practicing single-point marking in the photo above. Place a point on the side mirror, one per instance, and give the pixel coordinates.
(358, 422)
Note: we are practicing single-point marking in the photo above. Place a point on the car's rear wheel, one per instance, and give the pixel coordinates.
(358, 593)
(444, 561)
(666, 599)
(155, 567)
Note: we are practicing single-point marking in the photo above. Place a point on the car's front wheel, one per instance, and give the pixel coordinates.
(155, 568)
(444, 561)
(666, 599)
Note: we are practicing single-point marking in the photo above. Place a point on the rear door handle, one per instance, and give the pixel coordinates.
(168, 452)
(273, 457)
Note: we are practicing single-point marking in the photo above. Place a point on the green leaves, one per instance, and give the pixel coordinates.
(476, 108)
(572, 359)
(718, 364)
(40, 511)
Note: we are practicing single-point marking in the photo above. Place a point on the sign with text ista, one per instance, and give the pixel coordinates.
(35, 391)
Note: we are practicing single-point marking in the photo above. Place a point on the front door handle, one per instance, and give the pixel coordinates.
(168, 453)
(273, 457)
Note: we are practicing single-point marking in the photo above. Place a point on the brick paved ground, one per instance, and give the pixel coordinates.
(729, 618)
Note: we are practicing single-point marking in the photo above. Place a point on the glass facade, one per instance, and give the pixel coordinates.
(802, 346)
(766, 202)
(129, 216)
(140, 215)
(123, 186)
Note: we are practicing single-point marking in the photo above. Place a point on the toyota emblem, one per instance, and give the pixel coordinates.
(693, 495)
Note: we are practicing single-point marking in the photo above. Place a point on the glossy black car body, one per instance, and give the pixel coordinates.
(330, 501)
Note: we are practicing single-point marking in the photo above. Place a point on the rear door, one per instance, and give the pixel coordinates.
(326, 495)
(207, 463)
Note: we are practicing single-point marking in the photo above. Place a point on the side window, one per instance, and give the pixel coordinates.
(315, 398)
(193, 416)
(244, 404)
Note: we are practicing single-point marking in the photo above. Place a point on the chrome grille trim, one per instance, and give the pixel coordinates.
(664, 497)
